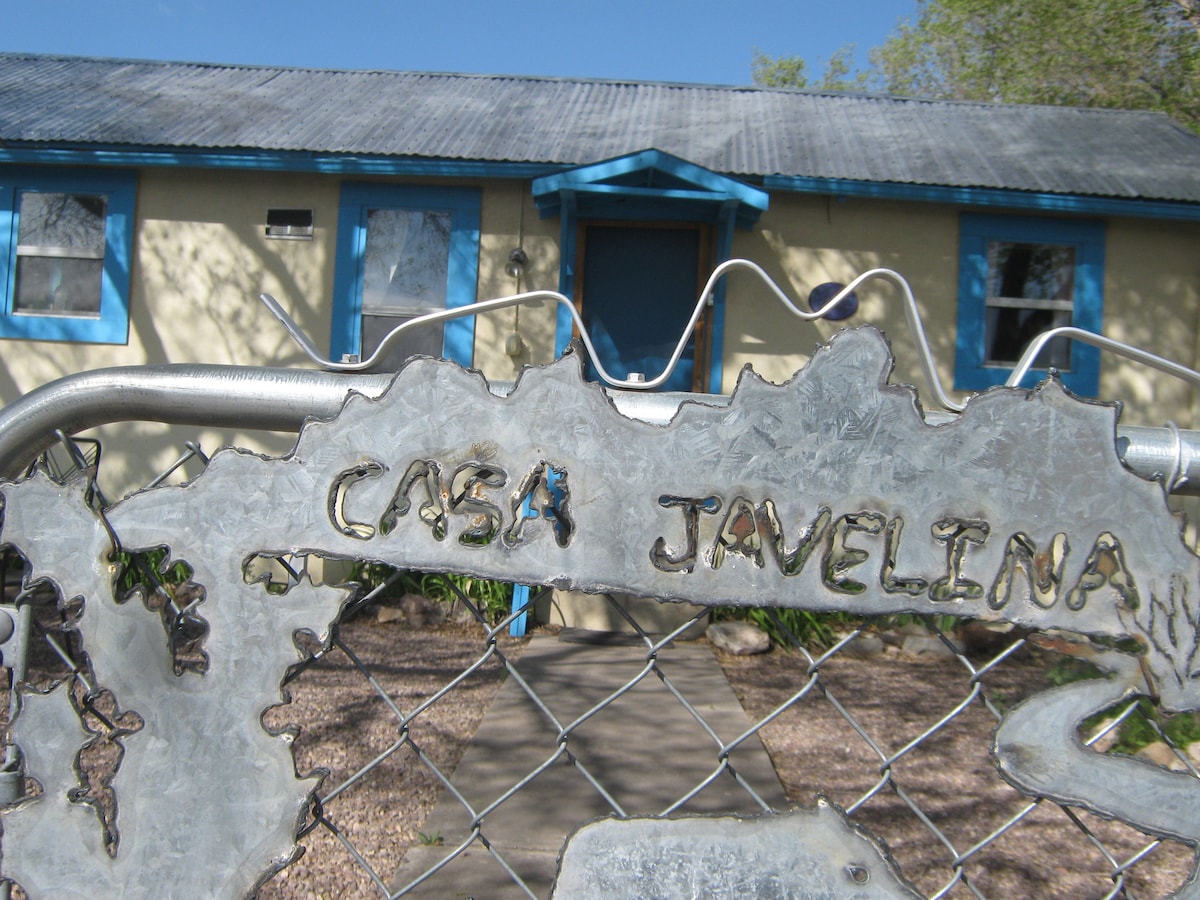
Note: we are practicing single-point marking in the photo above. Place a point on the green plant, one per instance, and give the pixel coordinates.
(492, 598)
(430, 840)
(816, 630)
(1138, 729)
(145, 569)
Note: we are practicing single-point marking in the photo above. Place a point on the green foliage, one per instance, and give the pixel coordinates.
(813, 630)
(792, 72)
(1129, 54)
(782, 71)
(145, 570)
(1137, 730)
(1069, 669)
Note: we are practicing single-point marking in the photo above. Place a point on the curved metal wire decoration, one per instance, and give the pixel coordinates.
(832, 492)
(536, 298)
(912, 318)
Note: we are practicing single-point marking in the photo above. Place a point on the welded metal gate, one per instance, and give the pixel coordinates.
(161, 764)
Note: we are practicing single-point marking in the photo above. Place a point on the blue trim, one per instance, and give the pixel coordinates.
(688, 193)
(274, 161)
(975, 232)
(564, 325)
(112, 325)
(998, 198)
(600, 190)
(463, 205)
(709, 182)
(716, 363)
(519, 625)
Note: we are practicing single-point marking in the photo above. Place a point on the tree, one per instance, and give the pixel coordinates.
(792, 71)
(1129, 54)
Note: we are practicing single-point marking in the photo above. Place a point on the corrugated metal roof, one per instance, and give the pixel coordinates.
(743, 132)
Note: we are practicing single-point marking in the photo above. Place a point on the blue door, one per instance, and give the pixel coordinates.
(640, 285)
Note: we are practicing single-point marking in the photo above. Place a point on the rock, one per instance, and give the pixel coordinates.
(420, 611)
(385, 614)
(864, 646)
(925, 643)
(1105, 743)
(414, 610)
(1162, 755)
(1193, 752)
(986, 637)
(739, 638)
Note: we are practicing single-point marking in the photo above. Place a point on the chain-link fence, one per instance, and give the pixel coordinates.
(891, 721)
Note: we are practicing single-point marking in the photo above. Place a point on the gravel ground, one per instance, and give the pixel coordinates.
(950, 776)
(345, 724)
(895, 698)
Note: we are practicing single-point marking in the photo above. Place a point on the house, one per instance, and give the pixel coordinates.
(145, 205)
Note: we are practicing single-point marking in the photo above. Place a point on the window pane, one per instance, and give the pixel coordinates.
(51, 285)
(1020, 271)
(407, 259)
(424, 340)
(63, 221)
(1031, 271)
(1010, 330)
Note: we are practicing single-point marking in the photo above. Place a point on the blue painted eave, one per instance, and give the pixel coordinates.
(269, 161)
(988, 198)
(688, 182)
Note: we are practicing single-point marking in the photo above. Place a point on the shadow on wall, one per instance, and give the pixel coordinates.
(197, 290)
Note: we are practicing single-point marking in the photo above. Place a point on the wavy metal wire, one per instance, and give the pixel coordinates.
(912, 316)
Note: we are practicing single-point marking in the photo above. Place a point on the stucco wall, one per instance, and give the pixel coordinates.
(201, 258)
(804, 241)
(1151, 286)
(508, 220)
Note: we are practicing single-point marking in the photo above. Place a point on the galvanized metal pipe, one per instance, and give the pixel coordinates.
(203, 395)
(271, 399)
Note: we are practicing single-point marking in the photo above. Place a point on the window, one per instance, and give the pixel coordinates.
(1018, 277)
(404, 251)
(65, 244)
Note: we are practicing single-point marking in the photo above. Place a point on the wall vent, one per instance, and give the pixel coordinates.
(290, 224)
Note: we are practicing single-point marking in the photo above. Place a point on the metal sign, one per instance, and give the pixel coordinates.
(830, 492)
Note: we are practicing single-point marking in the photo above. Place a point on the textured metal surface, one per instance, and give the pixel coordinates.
(740, 131)
(805, 855)
(207, 800)
(830, 492)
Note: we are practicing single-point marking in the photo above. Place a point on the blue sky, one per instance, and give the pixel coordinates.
(674, 40)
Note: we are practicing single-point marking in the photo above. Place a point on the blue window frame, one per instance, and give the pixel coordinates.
(1019, 276)
(403, 250)
(66, 240)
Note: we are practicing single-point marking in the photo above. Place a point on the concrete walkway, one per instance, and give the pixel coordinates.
(645, 749)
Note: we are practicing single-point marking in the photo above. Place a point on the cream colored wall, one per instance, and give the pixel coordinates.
(201, 258)
(509, 219)
(1152, 300)
(803, 241)
(1152, 283)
